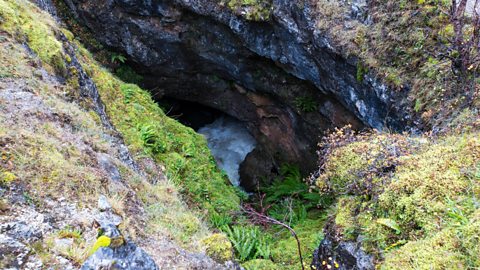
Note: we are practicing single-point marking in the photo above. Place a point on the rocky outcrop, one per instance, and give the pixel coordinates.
(341, 255)
(263, 73)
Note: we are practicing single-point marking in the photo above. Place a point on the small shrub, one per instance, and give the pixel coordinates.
(117, 58)
(220, 220)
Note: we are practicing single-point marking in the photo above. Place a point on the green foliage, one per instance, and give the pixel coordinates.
(255, 10)
(117, 58)
(220, 220)
(218, 247)
(151, 139)
(127, 74)
(6, 178)
(411, 199)
(390, 223)
(249, 242)
(361, 71)
(69, 232)
(289, 192)
(306, 104)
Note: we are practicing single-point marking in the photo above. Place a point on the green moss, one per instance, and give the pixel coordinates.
(419, 213)
(218, 247)
(345, 213)
(284, 247)
(260, 264)
(23, 21)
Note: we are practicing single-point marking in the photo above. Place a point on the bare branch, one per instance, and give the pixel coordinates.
(260, 218)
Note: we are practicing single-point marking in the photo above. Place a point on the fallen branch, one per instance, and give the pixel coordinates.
(260, 218)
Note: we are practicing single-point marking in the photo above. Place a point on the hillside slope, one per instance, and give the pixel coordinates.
(69, 166)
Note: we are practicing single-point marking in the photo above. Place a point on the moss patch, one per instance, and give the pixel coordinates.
(414, 200)
(218, 247)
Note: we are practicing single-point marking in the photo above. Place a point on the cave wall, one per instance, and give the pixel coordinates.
(200, 51)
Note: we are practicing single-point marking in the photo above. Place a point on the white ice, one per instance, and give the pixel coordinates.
(230, 142)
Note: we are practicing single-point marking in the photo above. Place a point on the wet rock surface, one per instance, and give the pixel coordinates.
(342, 255)
(257, 72)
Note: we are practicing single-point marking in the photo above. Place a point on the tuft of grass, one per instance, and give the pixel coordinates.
(255, 10)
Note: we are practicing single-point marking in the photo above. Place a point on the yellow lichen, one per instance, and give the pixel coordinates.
(102, 241)
(6, 178)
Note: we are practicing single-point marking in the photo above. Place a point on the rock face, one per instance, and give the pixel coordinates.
(281, 76)
(342, 256)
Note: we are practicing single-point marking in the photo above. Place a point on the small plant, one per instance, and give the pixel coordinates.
(127, 74)
(6, 178)
(361, 71)
(69, 232)
(259, 218)
(151, 139)
(129, 90)
(249, 242)
(117, 58)
(306, 104)
(220, 220)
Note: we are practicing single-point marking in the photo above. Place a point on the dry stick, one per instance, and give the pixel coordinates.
(263, 218)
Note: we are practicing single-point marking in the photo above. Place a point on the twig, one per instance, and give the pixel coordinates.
(259, 218)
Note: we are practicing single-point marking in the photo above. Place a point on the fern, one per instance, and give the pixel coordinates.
(306, 104)
(290, 185)
(248, 242)
(128, 91)
(220, 221)
(150, 138)
(116, 57)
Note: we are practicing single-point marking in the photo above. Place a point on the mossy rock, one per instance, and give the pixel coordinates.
(218, 247)
(417, 208)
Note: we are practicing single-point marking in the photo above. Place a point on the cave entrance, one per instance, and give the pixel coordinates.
(228, 138)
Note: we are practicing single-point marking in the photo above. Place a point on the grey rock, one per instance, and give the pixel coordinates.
(348, 255)
(202, 52)
(21, 230)
(107, 218)
(125, 257)
(103, 204)
(105, 161)
(13, 254)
